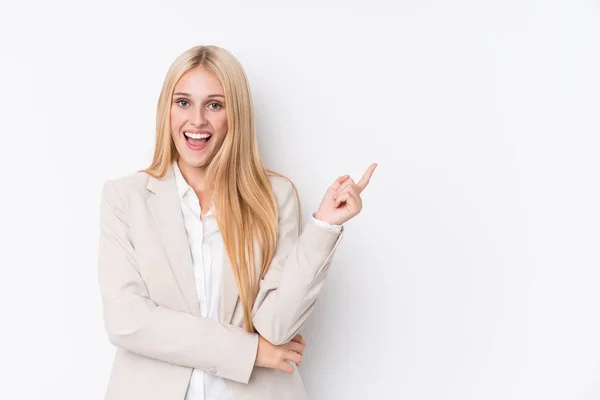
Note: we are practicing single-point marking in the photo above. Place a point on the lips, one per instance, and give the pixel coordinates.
(197, 144)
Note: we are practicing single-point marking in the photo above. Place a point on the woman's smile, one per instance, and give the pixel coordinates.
(197, 140)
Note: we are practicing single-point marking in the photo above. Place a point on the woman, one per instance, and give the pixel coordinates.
(205, 272)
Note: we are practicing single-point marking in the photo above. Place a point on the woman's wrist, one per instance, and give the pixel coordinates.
(324, 223)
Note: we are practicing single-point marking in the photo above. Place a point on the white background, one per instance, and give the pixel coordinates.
(472, 271)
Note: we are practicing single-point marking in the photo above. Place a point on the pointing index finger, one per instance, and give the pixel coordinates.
(364, 181)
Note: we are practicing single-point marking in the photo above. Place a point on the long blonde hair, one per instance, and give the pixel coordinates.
(245, 206)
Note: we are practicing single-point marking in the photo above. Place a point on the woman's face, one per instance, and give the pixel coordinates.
(198, 117)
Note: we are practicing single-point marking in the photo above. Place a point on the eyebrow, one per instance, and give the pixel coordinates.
(189, 95)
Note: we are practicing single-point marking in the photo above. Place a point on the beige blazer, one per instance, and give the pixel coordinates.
(151, 312)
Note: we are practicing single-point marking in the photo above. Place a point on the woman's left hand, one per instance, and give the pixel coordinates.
(342, 200)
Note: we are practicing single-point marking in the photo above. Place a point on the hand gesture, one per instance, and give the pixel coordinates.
(342, 200)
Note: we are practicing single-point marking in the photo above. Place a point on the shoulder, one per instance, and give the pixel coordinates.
(281, 183)
(125, 186)
(283, 187)
(287, 197)
(136, 181)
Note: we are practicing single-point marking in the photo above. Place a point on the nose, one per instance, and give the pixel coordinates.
(198, 118)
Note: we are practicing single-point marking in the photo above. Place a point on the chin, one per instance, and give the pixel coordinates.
(193, 162)
(200, 159)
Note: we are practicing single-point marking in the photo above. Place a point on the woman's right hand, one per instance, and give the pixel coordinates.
(272, 356)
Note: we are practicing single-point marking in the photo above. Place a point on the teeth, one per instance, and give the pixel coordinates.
(197, 135)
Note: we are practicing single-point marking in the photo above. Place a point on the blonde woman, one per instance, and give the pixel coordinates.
(205, 272)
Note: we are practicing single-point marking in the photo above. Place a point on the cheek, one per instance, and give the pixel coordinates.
(175, 120)
(223, 123)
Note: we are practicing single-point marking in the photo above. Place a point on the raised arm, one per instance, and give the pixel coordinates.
(289, 289)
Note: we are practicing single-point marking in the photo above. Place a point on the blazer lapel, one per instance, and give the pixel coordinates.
(165, 208)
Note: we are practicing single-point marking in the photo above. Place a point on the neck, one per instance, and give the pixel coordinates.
(194, 176)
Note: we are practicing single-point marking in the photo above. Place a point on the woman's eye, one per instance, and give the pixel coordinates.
(184, 103)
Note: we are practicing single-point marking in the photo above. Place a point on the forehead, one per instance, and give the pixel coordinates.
(199, 82)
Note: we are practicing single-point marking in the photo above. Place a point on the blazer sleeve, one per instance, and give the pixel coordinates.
(135, 323)
(289, 289)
